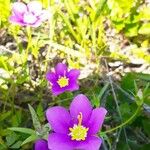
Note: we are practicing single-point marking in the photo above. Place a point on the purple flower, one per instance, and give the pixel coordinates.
(28, 15)
(76, 128)
(63, 80)
(41, 145)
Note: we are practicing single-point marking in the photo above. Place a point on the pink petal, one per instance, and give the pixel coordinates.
(41, 145)
(44, 15)
(73, 86)
(51, 77)
(96, 120)
(73, 74)
(37, 23)
(81, 104)
(19, 9)
(73, 79)
(56, 89)
(35, 7)
(92, 143)
(59, 119)
(29, 18)
(58, 141)
(61, 69)
(14, 19)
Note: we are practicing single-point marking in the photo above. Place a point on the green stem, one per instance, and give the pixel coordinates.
(124, 123)
(29, 37)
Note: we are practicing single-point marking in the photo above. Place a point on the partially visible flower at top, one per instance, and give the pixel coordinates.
(63, 80)
(41, 145)
(31, 14)
(76, 128)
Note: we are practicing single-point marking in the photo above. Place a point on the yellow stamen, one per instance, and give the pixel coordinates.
(78, 132)
(63, 81)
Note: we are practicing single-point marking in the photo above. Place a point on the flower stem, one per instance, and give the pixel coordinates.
(29, 37)
(124, 123)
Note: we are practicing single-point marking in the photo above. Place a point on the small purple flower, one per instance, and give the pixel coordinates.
(76, 128)
(41, 145)
(28, 15)
(63, 80)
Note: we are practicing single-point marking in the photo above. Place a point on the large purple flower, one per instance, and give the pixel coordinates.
(63, 80)
(76, 128)
(28, 15)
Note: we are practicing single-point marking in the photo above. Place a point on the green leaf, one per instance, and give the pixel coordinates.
(100, 8)
(127, 82)
(5, 115)
(139, 97)
(145, 13)
(16, 145)
(22, 130)
(103, 90)
(40, 112)
(11, 139)
(145, 29)
(36, 123)
(3, 146)
(142, 76)
(125, 111)
(16, 119)
(119, 25)
(30, 139)
(70, 27)
(146, 125)
(131, 29)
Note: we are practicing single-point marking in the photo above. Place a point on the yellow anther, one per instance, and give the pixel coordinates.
(78, 132)
(63, 81)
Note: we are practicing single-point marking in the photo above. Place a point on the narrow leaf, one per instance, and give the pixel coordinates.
(30, 139)
(100, 8)
(35, 119)
(22, 130)
(103, 90)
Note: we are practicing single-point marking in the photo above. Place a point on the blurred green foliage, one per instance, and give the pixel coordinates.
(5, 12)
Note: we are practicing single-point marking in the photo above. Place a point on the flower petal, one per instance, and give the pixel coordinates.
(41, 145)
(44, 15)
(14, 19)
(29, 18)
(73, 74)
(56, 89)
(37, 23)
(35, 7)
(72, 86)
(59, 119)
(92, 143)
(19, 8)
(58, 141)
(96, 120)
(51, 77)
(61, 69)
(80, 104)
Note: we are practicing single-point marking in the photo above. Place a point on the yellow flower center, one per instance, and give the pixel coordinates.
(63, 81)
(78, 132)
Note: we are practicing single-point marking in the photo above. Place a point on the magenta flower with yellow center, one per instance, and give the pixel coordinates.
(63, 79)
(76, 128)
(31, 14)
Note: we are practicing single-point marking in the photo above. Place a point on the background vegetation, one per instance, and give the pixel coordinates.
(108, 40)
